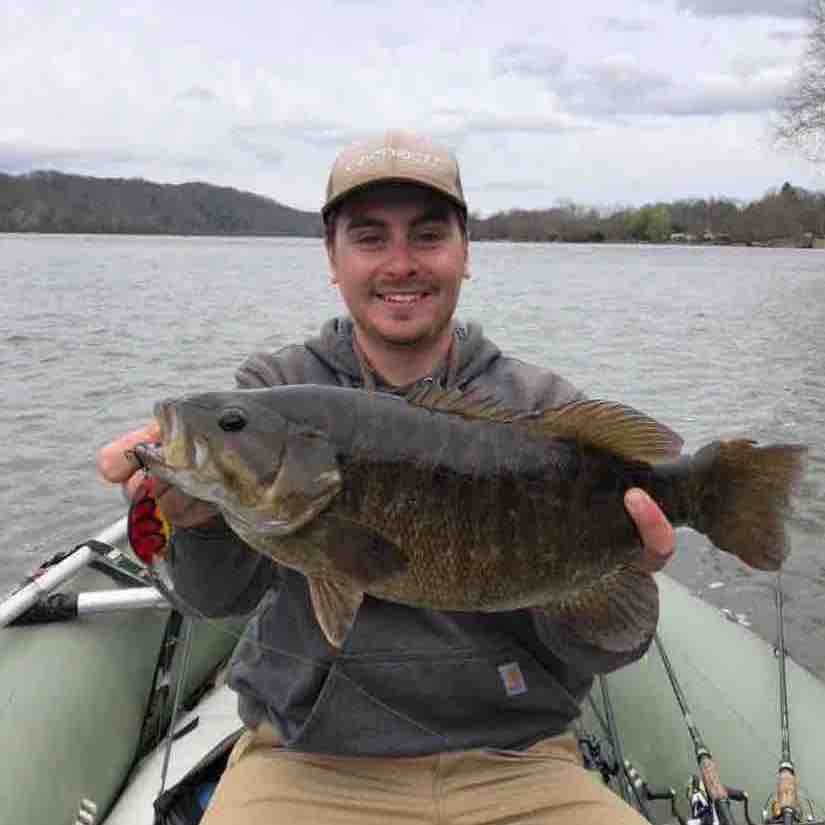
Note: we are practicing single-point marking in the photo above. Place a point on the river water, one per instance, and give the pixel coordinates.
(713, 341)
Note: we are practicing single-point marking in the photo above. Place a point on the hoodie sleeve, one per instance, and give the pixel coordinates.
(216, 572)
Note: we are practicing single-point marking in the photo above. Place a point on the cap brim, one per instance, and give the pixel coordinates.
(363, 187)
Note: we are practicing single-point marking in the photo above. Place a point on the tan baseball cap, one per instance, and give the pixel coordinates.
(394, 156)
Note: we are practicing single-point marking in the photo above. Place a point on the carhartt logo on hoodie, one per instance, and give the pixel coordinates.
(512, 678)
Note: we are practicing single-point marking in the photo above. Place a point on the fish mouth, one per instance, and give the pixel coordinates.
(177, 457)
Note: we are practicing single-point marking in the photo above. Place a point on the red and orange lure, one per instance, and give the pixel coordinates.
(147, 528)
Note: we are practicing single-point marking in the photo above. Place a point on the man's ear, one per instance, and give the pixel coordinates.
(333, 269)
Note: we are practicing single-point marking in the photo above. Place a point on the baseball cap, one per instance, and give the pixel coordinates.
(395, 156)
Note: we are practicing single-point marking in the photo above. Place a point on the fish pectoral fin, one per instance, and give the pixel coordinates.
(609, 426)
(619, 615)
(307, 480)
(335, 606)
(360, 553)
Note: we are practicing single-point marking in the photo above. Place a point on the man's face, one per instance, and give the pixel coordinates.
(398, 257)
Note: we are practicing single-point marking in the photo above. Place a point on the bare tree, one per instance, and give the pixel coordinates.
(803, 110)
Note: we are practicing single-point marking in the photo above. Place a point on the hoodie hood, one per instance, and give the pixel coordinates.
(335, 347)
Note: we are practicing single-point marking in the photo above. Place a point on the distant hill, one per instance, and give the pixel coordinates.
(47, 201)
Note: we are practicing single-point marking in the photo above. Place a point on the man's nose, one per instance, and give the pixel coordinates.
(400, 261)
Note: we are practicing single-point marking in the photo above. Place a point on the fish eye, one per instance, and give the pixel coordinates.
(232, 420)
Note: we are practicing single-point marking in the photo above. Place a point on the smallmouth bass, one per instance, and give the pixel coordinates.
(447, 501)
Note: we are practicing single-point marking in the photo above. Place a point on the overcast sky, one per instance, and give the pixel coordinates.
(601, 102)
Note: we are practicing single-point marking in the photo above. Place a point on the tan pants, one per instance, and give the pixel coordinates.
(544, 785)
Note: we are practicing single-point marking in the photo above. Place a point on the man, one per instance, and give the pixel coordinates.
(423, 715)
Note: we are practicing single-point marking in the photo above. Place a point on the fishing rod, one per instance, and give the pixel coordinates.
(631, 784)
(718, 794)
(613, 733)
(785, 807)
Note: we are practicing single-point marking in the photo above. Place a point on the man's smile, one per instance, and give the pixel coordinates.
(404, 298)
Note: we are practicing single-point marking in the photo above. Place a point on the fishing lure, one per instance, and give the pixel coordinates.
(147, 528)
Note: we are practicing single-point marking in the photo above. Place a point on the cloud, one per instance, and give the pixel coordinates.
(19, 157)
(199, 94)
(627, 25)
(786, 36)
(619, 85)
(454, 126)
(528, 60)
(259, 142)
(614, 85)
(520, 185)
(746, 8)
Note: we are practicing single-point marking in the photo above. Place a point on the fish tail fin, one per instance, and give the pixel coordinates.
(743, 498)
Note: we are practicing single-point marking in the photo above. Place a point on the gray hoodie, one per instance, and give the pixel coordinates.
(408, 681)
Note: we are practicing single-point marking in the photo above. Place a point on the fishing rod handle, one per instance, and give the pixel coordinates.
(710, 776)
(787, 791)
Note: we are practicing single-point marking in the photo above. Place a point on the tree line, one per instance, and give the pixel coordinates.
(47, 201)
(56, 202)
(789, 216)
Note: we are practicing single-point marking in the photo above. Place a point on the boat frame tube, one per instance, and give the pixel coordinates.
(31, 593)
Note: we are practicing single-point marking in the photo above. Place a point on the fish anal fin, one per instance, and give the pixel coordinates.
(335, 606)
(609, 426)
(618, 615)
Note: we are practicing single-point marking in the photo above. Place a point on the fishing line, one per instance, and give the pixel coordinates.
(189, 610)
(148, 535)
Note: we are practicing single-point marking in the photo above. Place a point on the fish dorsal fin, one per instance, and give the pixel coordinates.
(606, 425)
(466, 403)
(609, 426)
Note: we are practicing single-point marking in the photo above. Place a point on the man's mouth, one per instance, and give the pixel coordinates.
(402, 298)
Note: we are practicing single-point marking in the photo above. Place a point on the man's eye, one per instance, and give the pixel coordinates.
(369, 239)
(429, 236)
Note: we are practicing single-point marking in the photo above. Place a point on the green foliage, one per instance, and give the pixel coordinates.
(790, 216)
(650, 223)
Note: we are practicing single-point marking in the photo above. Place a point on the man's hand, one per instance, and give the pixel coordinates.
(115, 462)
(658, 538)
(116, 465)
